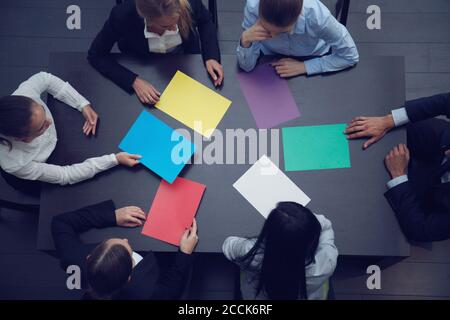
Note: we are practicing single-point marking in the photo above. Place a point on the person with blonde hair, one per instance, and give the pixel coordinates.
(148, 28)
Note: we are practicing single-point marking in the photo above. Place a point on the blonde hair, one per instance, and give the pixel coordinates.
(151, 9)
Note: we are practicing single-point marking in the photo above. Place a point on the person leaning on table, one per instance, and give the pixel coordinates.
(28, 134)
(111, 270)
(150, 28)
(296, 28)
(419, 191)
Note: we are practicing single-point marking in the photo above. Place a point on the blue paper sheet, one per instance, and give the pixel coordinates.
(163, 150)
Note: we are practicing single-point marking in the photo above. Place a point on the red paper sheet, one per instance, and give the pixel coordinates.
(173, 210)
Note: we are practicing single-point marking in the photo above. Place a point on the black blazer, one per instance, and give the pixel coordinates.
(430, 107)
(126, 28)
(146, 281)
(425, 218)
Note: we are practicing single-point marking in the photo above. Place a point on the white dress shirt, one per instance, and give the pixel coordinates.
(165, 43)
(317, 273)
(136, 258)
(401, 118)
(27, 160)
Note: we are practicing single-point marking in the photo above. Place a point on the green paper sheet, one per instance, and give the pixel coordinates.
(315, 148)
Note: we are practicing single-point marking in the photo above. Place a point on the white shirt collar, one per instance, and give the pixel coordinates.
(149, 34)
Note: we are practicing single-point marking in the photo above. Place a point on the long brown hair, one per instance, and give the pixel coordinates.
(281, 13)
(151, 9)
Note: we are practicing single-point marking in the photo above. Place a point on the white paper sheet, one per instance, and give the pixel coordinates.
(264, 185)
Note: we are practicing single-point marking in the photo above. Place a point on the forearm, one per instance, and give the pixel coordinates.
(416, 223)
(208, 34)
(66, 228)
(428, 107)
(248, 57)
(70, 174)
(111, 69)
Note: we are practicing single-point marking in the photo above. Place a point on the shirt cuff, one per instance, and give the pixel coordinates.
(400, 117)
(113, 159)
(313, 66)
(397, 181)
(83, 103)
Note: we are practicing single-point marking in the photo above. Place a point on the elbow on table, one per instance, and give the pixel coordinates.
(247, 67)
(354, 59)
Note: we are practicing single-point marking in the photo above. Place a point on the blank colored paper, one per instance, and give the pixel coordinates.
(193, 104)
(315, 148)
(264, 185)
(173, 210)
(268, 96)
(163, 150)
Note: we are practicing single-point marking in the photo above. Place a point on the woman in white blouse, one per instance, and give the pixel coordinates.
(293, 257)
(28, 134)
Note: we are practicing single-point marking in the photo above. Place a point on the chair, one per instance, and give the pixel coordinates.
(19, 194)
(341, 13)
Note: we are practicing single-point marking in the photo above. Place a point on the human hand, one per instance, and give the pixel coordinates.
(91, 117)
(189, 239)
(373, 128)
(130, 217)
(397, 161)
(145, 91)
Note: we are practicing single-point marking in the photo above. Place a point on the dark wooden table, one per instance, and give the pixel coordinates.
(352, 199)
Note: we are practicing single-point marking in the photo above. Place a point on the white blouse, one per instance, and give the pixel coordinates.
(165, 43)
(27, 160)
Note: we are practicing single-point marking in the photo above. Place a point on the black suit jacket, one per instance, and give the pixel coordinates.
(146, 280)
(126, 28)
(430, 107)
(425, 217)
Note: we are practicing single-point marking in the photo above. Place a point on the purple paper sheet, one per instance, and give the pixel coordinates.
(268, 96)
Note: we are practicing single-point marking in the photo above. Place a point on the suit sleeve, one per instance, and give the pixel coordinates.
(429, 107)
(66, 228)
(100, 57)
(207, 31)
(417, 224)
(170, 285)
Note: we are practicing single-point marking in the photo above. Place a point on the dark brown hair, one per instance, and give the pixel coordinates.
(108, 270)
(15, 117)
(280, 13)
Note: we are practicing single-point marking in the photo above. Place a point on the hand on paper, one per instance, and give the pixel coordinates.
(128, 160)
(130, 217)
(189, 239)
(146, 92)
(288, 67)
(373, 128)
(90, 126)
(397, 161)
(215, 70)
(253, 34)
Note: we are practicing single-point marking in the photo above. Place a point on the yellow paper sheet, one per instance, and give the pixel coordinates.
(193, 104)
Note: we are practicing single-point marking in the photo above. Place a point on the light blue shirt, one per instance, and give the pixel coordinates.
(401, 118)
(315, 32)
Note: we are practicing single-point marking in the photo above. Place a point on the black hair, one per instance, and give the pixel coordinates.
(281, 13)
(108, 270)
(15, 117)
(288, 243)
